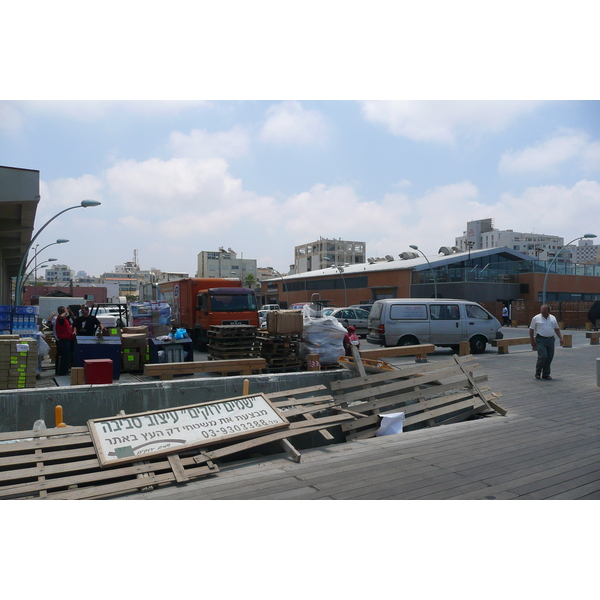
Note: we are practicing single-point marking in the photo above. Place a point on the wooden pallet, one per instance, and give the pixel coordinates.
(429, 395)
(61, 463)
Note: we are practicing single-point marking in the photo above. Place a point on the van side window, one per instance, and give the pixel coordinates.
(445, 312)
(476, 312)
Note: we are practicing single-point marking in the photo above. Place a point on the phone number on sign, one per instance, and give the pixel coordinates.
(239, 428)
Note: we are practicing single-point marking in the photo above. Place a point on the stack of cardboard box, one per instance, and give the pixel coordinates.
(18, 362)
(134, 346)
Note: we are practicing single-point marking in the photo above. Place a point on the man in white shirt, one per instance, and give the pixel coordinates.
(541, 333)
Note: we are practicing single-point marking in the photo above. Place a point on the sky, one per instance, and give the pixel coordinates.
(264, 165)
(177, 178)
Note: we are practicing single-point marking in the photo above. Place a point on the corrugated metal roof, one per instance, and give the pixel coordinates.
(416, 264)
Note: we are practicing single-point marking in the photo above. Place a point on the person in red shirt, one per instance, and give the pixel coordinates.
(65, 341)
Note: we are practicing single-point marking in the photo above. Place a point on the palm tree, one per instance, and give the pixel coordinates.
(250, 281)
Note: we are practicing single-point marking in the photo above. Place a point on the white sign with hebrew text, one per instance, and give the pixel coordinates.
(132, 437)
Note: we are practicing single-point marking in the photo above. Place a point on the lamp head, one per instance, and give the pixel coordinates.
(590, 235)
(51, 259)
(414, 247)
(88, 203)
(61, 241)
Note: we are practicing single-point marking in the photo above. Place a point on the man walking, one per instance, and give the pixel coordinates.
(541, 333)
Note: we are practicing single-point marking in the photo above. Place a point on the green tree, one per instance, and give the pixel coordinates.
(250, 281)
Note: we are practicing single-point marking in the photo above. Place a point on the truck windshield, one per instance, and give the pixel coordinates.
(232, 302)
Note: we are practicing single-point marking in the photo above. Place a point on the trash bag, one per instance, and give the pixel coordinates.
(180, 334)
(321, 335)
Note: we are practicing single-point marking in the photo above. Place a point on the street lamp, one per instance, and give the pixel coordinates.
(60, 241)
(581, 237)
(19, 282)
(340, 270)
(287, 294)
(432, 270)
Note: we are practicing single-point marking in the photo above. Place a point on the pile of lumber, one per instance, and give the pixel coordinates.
(227, 342)
(429, 394)
(62, 462)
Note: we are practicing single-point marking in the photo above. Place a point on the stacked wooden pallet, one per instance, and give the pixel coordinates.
(281, 351)
(429, 394)
(226, 342)
(18, 362)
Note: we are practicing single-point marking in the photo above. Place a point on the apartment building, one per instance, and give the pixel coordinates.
(326, 252)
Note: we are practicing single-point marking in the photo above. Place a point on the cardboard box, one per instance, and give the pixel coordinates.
(77, 376)
(137, 330)
(284, 321)
(131, 359)
(134, 340)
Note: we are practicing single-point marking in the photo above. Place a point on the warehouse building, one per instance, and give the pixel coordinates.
(486, 275)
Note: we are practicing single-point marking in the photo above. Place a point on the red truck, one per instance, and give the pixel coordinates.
(197, 304)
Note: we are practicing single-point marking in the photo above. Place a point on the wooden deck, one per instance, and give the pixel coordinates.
(546, 447)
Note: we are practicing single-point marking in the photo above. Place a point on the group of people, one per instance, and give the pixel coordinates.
(66, 327)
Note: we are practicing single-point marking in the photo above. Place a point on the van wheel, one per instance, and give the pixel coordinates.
(478, 344)
(409, 340)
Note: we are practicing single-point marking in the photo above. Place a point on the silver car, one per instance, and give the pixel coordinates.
(356, 317)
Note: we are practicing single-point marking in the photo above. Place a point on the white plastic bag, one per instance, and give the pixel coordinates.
(390, 424)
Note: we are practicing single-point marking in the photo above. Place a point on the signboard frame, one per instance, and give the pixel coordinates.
(161, 432)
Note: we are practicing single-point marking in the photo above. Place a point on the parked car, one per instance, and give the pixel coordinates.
(350, 316)
(270, 307)
(365, 307)
(442, 322)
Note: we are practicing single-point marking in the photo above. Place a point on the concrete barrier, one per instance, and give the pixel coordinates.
(19, 409)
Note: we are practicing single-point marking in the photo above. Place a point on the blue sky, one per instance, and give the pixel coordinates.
(180, 175)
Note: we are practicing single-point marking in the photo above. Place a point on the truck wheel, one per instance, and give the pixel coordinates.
(409, 340)
(478, 344)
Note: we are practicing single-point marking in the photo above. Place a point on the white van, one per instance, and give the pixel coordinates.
(442, 322)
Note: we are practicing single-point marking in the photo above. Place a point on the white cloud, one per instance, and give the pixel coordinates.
(201, 144)
(549, 154)
(70, 191)
(444, 120)
(290, 123)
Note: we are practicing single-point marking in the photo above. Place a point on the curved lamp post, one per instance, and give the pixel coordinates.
(19, 282)
(287, 294)
(581, 237)
(432, 270)
(37, 252)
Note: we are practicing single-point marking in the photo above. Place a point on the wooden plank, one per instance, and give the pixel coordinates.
(40, 433)
(296, 392)
(397, 386)
(417, 349)
(400, 373)
(298, 428)
(490, 403)
(205, 366)
(287, 446)
(323, 432)
(177, 468)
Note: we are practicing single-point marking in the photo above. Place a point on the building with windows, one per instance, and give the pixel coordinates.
(481, 234)
(325, 252)
(225, 263)
(59, 274)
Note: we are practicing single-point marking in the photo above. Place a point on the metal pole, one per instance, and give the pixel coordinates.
(432, 271)
(19, 281)
(587, 235)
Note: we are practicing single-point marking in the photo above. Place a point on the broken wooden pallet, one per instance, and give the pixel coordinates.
(429, 394)
(61, 463)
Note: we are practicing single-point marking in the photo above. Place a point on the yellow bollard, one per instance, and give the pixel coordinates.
(58, 416)
(246, 387)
